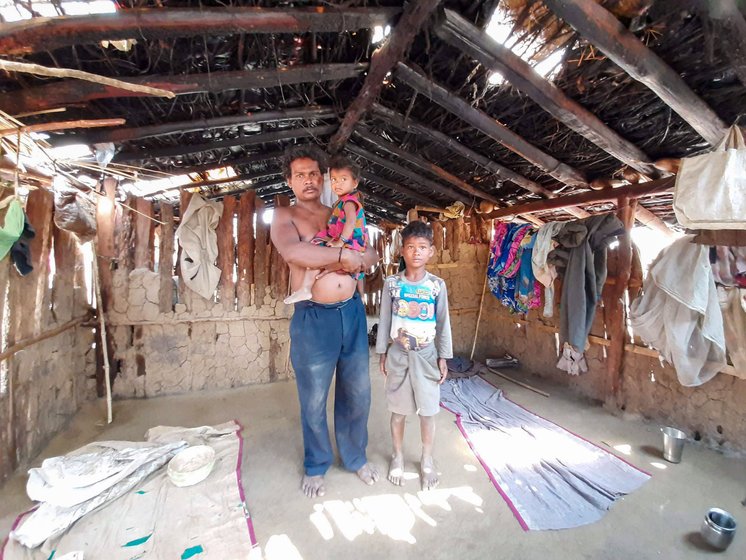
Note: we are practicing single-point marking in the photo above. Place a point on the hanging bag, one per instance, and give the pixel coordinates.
(710, 190)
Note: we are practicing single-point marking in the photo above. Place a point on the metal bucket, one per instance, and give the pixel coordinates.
(718, 528)
(673, 444)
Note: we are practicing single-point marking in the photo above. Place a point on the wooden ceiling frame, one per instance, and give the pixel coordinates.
(603, 30)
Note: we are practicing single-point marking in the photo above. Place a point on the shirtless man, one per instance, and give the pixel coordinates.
(326, 333)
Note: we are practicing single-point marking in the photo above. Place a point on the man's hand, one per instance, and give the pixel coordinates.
(352, 261)
(382, 365)
(443, 367)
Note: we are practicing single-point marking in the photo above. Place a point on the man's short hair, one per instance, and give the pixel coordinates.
(417, 229)
(302, 151)
(342, 162)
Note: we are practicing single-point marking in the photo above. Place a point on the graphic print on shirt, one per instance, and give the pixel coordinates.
(413, 312)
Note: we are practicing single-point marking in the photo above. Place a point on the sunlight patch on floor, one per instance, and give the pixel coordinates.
(391, 515)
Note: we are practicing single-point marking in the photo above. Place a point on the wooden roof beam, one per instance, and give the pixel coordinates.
(442, 190)
(423, 164)
(489, 126)
(249, 140)
(503, 173)
(601, 28)
(475, 42)
(382, 62)
(46, 34)
(590, 197)
(182, 127)
(67, 92)
(248, 160)
(396, 187)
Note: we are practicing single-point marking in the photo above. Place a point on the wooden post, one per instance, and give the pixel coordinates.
(245, 248)
(227, 254)
(105, 254)
(616, 316)
(39, 210)
(281, 270)
(260, 255)
(166, 259)
(144, 234)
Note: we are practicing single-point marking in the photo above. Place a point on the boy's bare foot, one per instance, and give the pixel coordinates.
(313, 486)
(396, 470)
(303, 294)
(368, 473)
(428, 474)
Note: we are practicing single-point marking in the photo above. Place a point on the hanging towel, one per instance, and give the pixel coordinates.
(545, 272)
(199, 244)
(679, 314)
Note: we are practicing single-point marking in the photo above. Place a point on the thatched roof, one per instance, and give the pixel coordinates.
(683, 36)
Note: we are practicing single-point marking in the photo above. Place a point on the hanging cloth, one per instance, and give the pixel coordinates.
(12, 228)
(679, 314)
(582, 256)
(199, 244)
(545, 272)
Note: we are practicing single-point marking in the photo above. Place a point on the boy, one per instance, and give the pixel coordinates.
(414, 316)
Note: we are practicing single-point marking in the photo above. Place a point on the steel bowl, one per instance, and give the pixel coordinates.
(718, 528)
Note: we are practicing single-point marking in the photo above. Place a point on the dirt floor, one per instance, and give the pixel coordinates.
(465, 518)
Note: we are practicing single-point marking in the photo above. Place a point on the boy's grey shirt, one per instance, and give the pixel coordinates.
(443, 341)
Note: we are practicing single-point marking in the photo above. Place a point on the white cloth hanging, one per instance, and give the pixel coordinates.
(199, 244)
(544, 272)
(679, 313)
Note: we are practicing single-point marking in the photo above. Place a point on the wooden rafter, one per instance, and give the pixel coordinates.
(503, 173)
(248, 160)
(68, 92)
(396, 187)
(489, 126)
(181, 127)
(423, 164)
(475, 42)
(249, 140)
(45, 34)
(442, 190)
(603, 30)
(381, 63)
(591, 197)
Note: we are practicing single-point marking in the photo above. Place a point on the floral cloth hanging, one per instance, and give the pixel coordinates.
(509, 275)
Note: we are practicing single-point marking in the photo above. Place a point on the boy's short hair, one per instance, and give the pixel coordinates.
(342, 162)
(301, 151)
(417, 229)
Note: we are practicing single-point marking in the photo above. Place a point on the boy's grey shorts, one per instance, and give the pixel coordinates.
(412, 381)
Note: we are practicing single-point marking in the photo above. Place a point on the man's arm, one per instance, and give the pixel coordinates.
(286, 239)
(443, 324)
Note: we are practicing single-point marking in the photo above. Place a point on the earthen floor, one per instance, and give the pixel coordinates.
(465, 518)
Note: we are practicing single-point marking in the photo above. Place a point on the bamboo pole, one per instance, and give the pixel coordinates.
(40, 70)
(102, 327)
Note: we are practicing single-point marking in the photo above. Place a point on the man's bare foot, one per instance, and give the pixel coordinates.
(368, 473)
(396, 470)
(313, 486)
(428, 474)
(303, 294)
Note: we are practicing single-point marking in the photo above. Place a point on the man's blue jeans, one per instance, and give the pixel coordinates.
(325, 337)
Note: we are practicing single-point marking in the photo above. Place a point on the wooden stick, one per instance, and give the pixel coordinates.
(40, 70)
(524, 385)
(479, 316)
(63, 125)
(102, 327)
(44, 336)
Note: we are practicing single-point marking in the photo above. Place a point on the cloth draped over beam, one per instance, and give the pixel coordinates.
(199, 243)
(551, 478)
(150, 518)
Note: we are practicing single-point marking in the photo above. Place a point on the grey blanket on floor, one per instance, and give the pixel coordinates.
(551, 478)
